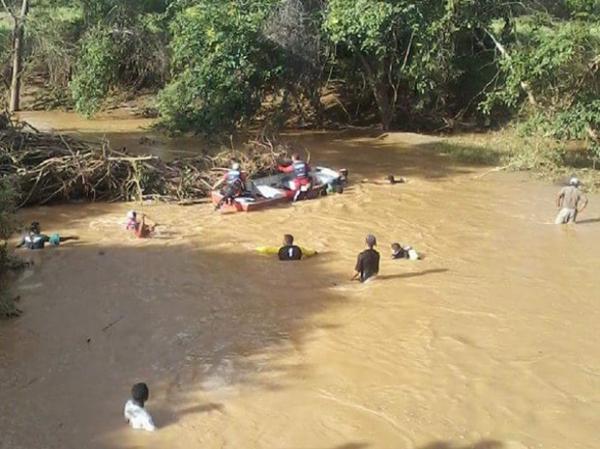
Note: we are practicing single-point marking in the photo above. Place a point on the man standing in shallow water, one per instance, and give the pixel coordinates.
(568, 201)
(367, 264)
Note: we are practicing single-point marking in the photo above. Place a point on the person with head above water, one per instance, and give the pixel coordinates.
(141, 228)
(135, 413)
(389, 179)
(34, 239)
(145, 227)
(301, 171)
(233, 182)
(367, 264)
(289, 251)
(400, 251)
(570, 201)
(131, 224)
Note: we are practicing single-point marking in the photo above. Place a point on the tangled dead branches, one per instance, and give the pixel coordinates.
(50, 167)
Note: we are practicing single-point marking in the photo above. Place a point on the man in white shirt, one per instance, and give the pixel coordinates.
(135, 413)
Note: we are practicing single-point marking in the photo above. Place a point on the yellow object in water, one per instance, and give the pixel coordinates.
(274, 250)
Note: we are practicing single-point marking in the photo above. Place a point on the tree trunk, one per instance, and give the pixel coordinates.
(17, 69)
(386, 110)
(381, 94)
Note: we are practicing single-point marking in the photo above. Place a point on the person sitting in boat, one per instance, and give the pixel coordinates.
(234, 184)
(301, 171)
(289, 251)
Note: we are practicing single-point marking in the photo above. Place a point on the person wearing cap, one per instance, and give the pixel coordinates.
(234, 182)
(301, 171)
(570, 202)
(367, 263)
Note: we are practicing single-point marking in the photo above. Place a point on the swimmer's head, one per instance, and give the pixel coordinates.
(235, 166)
(295, 157)
(574, 182)
(131, 215)
(35, 227)
(371, 241)
(140, 393)
(391, 179)
(288, 239)
(396, 247)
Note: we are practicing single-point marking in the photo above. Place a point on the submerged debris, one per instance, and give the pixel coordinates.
(51, 167)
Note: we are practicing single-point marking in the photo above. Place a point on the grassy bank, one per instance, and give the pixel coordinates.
(544, 157)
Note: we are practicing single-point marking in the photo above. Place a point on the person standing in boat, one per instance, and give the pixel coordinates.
(234, 182)
(301, 171)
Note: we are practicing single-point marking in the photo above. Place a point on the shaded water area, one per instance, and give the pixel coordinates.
(490, 342)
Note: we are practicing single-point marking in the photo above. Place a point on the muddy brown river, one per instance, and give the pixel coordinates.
(490, 342)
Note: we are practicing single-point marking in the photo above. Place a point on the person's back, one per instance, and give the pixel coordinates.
(368, 264)
(35, 240)
(289, 251)
(571, 196)
(570, 202)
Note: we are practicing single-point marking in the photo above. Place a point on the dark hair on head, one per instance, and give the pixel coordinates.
(395, 245)
(35, 226)
(391, 179)
(288, 239)
(140, 392)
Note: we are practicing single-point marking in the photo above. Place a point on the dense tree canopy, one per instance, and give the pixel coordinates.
(220, 64)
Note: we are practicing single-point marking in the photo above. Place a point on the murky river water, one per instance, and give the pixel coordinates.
(490, 342)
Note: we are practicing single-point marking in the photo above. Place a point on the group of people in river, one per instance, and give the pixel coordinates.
(570, 201)
(367, 263)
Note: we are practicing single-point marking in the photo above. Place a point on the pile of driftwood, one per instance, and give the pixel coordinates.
(51, 167)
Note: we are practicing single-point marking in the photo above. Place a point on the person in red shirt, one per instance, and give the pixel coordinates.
(301, 172)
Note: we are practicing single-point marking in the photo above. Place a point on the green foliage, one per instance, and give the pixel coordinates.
(555, 62)
(53, 35)
(221, 65)
(8, 199)
(8, 225)
(95, 71)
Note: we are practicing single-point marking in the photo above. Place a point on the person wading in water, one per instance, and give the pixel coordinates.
(570, 201)
(367, 264)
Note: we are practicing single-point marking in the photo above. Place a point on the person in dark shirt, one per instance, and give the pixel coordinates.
(367, 264)
(289, 251)
(398, 251)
